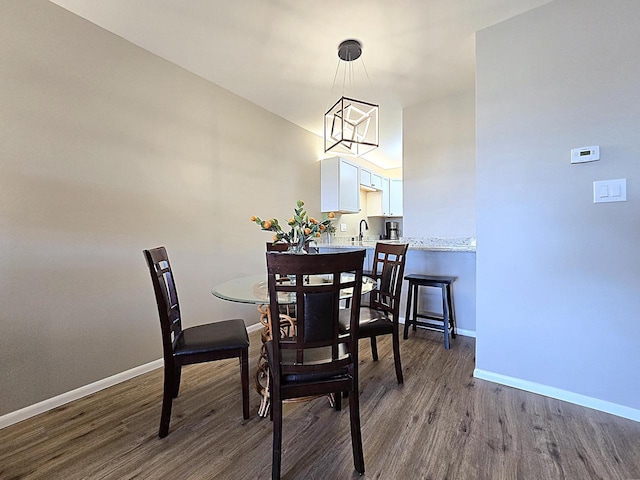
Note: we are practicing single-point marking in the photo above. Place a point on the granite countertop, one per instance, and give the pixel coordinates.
(434, 244)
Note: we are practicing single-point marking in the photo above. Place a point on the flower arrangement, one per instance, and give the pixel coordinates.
(304, 228)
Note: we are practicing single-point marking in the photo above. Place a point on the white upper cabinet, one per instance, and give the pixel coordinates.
(369, 179)
(365, 177)
(339, 186)
(395, 197)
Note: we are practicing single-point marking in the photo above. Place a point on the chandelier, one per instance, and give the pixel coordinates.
(350, 125)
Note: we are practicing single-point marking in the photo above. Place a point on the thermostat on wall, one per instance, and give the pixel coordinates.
(585, 154)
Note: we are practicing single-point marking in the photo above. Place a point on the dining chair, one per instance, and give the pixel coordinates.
(184, 346)
(381, 315)
(317, 359)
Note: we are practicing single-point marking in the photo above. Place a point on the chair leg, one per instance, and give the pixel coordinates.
(176, 381)
(396, 354)
(167, 399)
(374, 349)
(276, 411)
(356, 433)
(337, 400)
(244, 374)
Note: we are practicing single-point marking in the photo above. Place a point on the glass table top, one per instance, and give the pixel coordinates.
(254, 289)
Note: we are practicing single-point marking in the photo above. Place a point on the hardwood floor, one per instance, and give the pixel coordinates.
(442, 424)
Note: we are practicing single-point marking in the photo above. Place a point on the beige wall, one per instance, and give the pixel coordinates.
(106, 150)
(439, 167)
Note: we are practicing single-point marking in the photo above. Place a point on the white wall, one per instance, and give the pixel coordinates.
(439, 167)
(558, 277)
(106, 150)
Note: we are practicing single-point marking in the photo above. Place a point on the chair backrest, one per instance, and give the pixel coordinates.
(166, 298)
(283, 247)
(388, 271)
(277, 247)
(316, 288)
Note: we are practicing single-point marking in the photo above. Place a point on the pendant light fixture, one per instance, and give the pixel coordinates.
(350, 125)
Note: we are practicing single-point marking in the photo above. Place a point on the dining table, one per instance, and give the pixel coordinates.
(254, 289)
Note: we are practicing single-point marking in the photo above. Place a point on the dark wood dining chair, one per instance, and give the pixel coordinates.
(184, 346)
(317, 359)
(381, 316)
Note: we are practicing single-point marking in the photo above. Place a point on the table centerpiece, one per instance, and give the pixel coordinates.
(304, 229)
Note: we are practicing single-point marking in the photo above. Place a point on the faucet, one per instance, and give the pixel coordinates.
(366, 227)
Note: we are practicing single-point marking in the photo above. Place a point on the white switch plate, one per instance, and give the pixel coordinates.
(343, 227)
(610, 190)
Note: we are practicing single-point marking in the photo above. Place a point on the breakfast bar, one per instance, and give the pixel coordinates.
(434, 256)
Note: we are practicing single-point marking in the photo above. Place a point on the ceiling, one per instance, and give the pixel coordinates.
(282, 54)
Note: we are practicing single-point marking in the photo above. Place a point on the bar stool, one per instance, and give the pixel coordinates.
(445, 322)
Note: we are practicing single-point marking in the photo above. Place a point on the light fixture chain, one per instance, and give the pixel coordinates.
(333, 86)
(373, 93)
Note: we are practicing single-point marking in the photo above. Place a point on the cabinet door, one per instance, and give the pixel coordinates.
(365, 177)
(376, 181)
(370, 180)
(395, 197)
(385, 196)
(339, 189)
(349, 189)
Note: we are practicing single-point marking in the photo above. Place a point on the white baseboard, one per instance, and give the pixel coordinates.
(254, 327)
(559, 394)
(51, 403)
(78, 393)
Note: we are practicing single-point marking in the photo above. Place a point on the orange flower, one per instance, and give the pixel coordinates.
(317, 234)
(313, 220)
(331, 215)
(253, 218)
(307, 231)
(266, 224)
(322, 227)
(275, 238)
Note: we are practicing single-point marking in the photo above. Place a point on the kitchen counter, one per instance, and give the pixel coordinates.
(433, 244)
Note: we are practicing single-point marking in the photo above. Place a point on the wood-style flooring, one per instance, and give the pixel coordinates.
(441, 424)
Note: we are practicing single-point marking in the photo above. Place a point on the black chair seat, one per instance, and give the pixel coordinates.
(218, 336)
(372, 323)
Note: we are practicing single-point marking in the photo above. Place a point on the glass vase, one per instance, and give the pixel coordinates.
(298, 246)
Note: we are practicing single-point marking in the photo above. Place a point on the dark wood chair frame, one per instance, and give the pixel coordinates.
(381, 316)
(294, 371)
(283, 247)
(234, 345)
